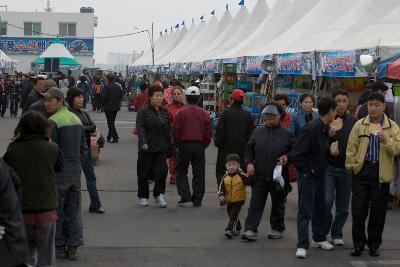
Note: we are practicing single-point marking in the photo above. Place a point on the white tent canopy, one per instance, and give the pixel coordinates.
(290, 26)
(57, 50)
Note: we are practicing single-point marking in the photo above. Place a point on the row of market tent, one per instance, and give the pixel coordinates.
(315, 37)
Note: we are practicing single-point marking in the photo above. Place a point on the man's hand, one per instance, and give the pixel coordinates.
(145, 147)
(382, 137)
(282, 160)
(2, 232)
(332, 131)
(222, 201)
(250, 169)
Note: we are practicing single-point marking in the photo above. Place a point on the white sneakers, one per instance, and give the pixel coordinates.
(301, 253)
(324, 245)
(160, 201)
(143, 202)
(338, 242)
(275, 235)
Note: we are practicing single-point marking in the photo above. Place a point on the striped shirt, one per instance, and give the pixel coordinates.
(373, 147)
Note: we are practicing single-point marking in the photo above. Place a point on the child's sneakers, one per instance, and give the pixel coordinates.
(228, 233)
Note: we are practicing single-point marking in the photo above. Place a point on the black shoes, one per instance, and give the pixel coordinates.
(357, 252)
(72, 253)
(61, 253)
(112, 141)
(97, 210)
(374, 252)
(183, 202)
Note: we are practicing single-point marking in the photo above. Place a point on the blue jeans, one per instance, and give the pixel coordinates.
(338, 192)
(311, 208)
(69, 224)
(90, 176)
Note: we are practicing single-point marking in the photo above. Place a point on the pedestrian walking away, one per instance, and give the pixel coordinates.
(192, 135)
(310, 154)
(232, 192)
(35, 159)
(68, 133)
(267, 148)
(153, 129)
(75, 99)
(337, 178)
(229, 138)
(112, 97)
(372, 146)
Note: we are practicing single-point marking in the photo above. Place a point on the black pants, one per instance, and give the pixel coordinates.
(191, 153)
(14, 102)
(98, 101)
(149, 163)
(222, 153)
(368, 197)
(112, 131)
(233, 209)
(3, 105)
(259, 194)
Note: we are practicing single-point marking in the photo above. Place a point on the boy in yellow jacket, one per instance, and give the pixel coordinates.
(373, 144)
(232, 191)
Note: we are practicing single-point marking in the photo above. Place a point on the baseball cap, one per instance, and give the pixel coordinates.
(54, 92)
(193, 90)
(271, 109)
(237, 94)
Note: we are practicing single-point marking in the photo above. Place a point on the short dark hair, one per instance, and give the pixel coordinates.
(364, 97)
(110, 78)
(232, 157)
(35, 81)
(192, 99)
(72, 93)
(325, 105)
(339, 92)
(377, 86)
(144, 86)
(305, 96)
(33, 123)
(154, 89)
(376, 96)
(283, 97)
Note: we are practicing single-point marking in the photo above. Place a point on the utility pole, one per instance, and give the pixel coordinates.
(152, 41)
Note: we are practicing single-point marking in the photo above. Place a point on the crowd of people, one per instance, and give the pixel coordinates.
(331, 154)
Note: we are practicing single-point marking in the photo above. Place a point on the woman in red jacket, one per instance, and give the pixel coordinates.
(173, 108)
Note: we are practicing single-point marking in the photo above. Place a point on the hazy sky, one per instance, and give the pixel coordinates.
(120, 16)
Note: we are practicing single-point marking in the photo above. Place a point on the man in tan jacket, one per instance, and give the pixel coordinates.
(373, 144)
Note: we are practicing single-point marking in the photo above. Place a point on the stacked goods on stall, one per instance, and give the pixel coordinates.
(230, 79)
(208, 93)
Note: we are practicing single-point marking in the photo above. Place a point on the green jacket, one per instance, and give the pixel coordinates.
(35, 159)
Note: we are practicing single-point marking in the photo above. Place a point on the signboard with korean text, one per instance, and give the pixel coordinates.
(210, 66)
(253, 64)
(196, 68)
(36, 46)
(341, 64)
(295, 63)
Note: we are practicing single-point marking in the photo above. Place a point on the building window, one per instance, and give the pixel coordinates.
(3, 28)
(32, 28)
(67, 29)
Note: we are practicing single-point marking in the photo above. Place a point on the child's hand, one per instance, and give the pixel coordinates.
(222, 200)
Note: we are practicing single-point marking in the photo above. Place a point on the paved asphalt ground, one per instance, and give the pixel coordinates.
(127, 235)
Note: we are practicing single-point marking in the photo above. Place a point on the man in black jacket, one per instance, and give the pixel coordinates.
(3, 97)
(27, 86)
(337, 178)
(112, 97)
(13, 244)
(310, 155)
(267, 148)
(233, 130)
(35, 95)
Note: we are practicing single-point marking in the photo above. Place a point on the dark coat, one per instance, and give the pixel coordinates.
(88, 125)
(13, 246)
(35, 160)
(234, 127)
(311, 151)
(112, 97)
(150, 130)
(265, 146)
(32, 98)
